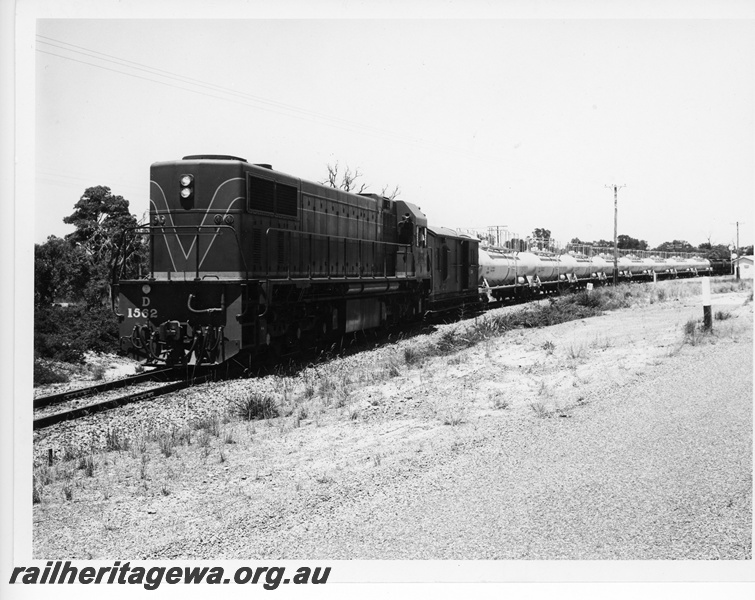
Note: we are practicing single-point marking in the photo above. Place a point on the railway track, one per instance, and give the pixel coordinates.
(86, 401)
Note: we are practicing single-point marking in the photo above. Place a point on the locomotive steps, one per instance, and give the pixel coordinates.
(415, 423)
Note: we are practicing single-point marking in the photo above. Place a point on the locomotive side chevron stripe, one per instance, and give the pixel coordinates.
(175, 239)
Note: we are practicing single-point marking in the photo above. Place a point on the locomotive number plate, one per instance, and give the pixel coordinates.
(142, 313)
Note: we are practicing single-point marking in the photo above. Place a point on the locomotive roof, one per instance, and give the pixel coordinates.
(448, 232)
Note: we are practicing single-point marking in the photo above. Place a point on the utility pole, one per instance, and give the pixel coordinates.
(737, 224)
(615, 230)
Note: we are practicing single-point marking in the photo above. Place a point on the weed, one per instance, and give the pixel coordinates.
(222, 457)
(342, 395)
(44, 374)
(391, 369)
(499, 402)
(541, 410)
(69, 453)
(89, 466)
(116, 441)
(412, 357)
(68, 492)
(454, 419)
(257, 406)
(203, 441)
(98, 372)
(139, 369)
(354, 414)
(327, 385)
(692, 332)
(576, 352)
(690, 327)
(165, 490)
(377, 459)
(166, 443)
(44, 475)
(549, 347)
(36, 491)
(544, 390)
(323, 478)
(228, 438)
(722, 315)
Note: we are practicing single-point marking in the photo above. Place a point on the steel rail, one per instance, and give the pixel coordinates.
(76, 413)
(103, 387)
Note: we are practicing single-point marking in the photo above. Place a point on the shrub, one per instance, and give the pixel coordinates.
(44, 374)
(66, 333)
(256, 406)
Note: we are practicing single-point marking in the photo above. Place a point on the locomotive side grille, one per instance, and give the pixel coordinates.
(286, 199)
(271, 197)
(261, 194)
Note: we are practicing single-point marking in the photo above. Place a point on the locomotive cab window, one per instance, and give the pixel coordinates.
(269, 196)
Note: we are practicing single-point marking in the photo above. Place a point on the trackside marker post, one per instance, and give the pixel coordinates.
(707, 321)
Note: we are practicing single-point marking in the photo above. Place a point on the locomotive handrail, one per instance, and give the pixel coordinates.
(214, 229)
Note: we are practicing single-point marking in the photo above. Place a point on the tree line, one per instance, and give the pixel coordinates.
(541, 238)
(72, 275)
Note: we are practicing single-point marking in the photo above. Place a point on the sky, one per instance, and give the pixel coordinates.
(515, 122)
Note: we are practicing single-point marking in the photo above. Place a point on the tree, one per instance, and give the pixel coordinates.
(715, 252)
(541, 234)
(675, 246)
(102, 223)
(62, 271)
(629, 243)
(347, 182)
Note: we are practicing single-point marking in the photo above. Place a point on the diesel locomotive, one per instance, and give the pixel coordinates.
(246, 260)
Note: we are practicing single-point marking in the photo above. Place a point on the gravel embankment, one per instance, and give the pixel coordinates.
(616, 440)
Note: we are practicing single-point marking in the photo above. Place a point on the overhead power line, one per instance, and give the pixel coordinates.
(198, 86)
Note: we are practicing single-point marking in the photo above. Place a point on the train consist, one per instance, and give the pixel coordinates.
(246, 261)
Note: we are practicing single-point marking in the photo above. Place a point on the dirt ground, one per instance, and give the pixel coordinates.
(365, 437)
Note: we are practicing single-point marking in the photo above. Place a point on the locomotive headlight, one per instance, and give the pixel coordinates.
(187, 186)
(146, 289)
